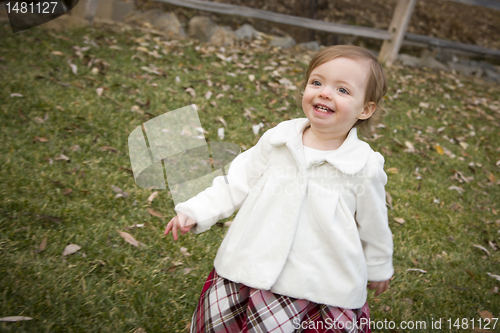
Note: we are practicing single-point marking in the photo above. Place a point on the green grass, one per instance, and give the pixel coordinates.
(111, 286)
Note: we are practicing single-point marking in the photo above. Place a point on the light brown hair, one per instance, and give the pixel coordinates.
(376, 87)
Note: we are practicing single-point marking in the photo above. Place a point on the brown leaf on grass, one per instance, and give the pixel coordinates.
(67, 191)
(481, 248)
(15, 318)
(188, 270)
(108, 148)
(486, 315)
(494, 276)
(439, 149)
(129, 238)
(57, 183)
(120, 192)
(42, 247)
(399, 220)
(155, 213)
(54, 219)
(40, 139)
(127, 169)
(142, 330)
(191, 92)
(392, 170)
(70, 249)
(492, 178)
(173, 267)
(388, 199)
(185, 252)
(62, 157)
(152, 197)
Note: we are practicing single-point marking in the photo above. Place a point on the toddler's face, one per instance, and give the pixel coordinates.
(334, 95)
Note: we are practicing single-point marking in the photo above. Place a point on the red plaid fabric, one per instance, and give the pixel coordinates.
(226, 306)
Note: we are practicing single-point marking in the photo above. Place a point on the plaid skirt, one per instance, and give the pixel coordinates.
(226, 306)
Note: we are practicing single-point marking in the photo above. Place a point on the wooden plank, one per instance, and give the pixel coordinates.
(303, 22)
(326, 26)
(443, 43)
(494, 4)
(397, 29)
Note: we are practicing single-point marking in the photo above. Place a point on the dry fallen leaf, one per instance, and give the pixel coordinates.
(457, 188)
(185, 252)
(482, 248)
(74, 69)
(70, 249)
(392, 170)
(220, 133)
(40, 139)
(152, 196)
(223, 122)
(494, 276)
(62, 157)
(439, 149)
(410, 147)
(191, 92)
(388, 199)
(155, 213)
(486, 314)
(43, 246)
(188, 270)
(120, 192)
(15, 318)
(67, 191)
(399, 220)
(128, 238)
(492, 178)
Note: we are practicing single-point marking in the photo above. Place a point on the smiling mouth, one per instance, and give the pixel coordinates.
(323, 109)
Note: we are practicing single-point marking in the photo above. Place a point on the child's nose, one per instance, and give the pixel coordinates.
(325, 93)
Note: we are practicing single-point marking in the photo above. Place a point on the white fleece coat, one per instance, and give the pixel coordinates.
(315, 232)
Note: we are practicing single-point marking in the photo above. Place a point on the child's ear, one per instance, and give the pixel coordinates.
(368, 111)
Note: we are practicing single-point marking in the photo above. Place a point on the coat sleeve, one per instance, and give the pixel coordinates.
(373, 225)
(227, 193)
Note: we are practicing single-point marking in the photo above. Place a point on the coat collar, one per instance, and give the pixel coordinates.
(349, 158)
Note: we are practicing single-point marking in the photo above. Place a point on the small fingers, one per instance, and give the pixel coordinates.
(169, 226)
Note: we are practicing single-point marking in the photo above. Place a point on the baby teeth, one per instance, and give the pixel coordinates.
(322, 108)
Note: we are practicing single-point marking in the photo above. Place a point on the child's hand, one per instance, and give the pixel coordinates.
(180, 222)
(381, 286)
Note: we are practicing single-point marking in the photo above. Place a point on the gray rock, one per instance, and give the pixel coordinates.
(246, 31)
(121, 9)
(143, 17)
(313, 45)
(431, 62)
(486, 66)
(170, 25)
(466, 69)
(223, 36)
(408, 60)
(284, 42)
(201, 28)
(493, 75)
(164, 22)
